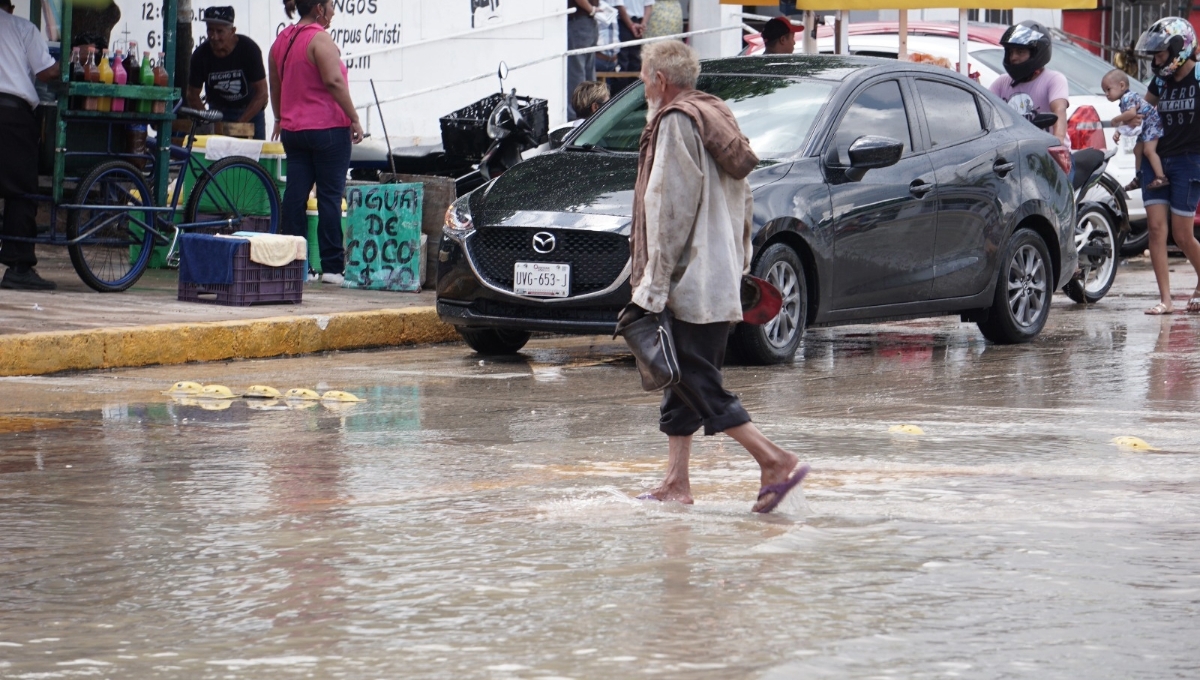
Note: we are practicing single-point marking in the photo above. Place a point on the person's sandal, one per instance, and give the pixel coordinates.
(1193, 304)
(1161, 309)
(1135, 183)
(1158, 183)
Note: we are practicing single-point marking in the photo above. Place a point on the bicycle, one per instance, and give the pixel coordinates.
(113, 227)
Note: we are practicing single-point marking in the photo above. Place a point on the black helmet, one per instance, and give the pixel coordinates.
(1032, 36)
(1173, 35)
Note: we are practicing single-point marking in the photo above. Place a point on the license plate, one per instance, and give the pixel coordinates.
(542, 279)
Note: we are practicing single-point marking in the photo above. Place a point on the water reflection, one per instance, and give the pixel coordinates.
(476, 520)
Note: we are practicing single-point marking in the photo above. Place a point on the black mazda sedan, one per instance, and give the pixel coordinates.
(886, 190)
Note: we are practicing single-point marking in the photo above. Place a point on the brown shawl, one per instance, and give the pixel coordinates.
(722, 138)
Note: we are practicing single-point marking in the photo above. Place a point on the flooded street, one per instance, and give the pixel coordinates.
(475, 519)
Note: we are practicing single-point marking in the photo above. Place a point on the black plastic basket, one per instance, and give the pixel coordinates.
(464, 132)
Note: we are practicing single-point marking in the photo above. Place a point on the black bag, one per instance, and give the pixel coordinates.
(653, 347)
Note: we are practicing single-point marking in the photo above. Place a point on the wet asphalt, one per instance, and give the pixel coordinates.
(973, 511)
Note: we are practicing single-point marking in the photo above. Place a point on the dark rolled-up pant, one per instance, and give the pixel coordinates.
(18, 179)
(699, 398)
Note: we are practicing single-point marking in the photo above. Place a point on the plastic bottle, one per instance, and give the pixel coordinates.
(77, 76)
(133, 68)
(120, 77)
(146, 77)
(161, 78)
(92, 75)
(106, 77)
(135, 143)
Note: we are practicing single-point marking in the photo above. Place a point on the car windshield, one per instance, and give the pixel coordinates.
(1083, 70)
(776, 114)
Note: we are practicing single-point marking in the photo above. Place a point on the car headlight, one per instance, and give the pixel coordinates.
(458, 218)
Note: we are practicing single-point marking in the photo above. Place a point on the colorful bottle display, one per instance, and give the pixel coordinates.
(91, 74)
(160, 80)
(134, 70)
(106, 77)
(120, 77)
(77, 76)
(146, 77)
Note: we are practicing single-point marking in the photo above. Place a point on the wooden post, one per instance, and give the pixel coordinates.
(903, 30)
(963, 66)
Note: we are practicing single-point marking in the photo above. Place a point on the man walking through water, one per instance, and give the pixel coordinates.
(690, 244)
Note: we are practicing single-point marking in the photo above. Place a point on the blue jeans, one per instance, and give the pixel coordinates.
(320, 157)
(580, 33)
(1183, 193)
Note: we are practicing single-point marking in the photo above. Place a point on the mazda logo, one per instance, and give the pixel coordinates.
(543, 242)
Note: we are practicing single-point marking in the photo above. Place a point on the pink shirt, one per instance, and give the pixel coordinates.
(1032, 96)
(304, 103)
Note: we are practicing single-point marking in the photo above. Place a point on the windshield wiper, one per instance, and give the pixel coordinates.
(589, 148)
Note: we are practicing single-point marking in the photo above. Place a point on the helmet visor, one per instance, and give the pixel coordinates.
(1152, 42)
(1024, 35)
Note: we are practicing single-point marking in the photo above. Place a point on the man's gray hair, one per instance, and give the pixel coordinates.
(675, 60)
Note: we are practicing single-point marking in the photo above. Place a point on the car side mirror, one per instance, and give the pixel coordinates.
(559, 134)
(869, 152)
(1044, 121)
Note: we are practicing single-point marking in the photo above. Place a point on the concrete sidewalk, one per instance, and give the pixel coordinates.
(75, 328)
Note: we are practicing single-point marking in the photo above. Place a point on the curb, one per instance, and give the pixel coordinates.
(55, 352)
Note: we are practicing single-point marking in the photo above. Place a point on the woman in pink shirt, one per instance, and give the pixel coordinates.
(316, 121)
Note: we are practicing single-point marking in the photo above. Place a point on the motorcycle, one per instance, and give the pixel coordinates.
(512, 133)
(1101, 220)
(508, 124)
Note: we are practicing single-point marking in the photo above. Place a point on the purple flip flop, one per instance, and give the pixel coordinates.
(648, 497)
(781, 490)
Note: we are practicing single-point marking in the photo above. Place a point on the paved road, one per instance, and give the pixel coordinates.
(474, 518)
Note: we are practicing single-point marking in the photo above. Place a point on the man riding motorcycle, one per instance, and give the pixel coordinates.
(1028, 85)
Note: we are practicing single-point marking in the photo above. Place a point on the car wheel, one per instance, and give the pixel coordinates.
(494, 340)
(1138, 239)
(1023, 288)
(1096, 239)
(776, 341)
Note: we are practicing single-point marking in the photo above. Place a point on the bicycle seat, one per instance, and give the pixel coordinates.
(202, 116)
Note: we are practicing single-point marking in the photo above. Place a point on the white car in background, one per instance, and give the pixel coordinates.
(939, 39)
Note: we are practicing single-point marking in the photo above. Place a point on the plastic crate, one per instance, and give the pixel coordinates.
(253, 283)
(464, 132)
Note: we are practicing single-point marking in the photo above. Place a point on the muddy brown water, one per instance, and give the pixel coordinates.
(475, 518)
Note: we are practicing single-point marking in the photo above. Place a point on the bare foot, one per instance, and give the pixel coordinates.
(667, 494)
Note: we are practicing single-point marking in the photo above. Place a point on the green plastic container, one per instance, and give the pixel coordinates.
(273, 160)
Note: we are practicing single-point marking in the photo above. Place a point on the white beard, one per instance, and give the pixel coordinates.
(652, 107)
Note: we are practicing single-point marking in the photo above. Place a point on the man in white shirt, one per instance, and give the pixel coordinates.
(24, 56)
(632, 22)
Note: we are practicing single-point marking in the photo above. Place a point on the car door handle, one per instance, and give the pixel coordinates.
(1003, 167)
(919, 188)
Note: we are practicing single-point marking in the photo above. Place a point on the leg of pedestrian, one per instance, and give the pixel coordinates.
(1156, 219)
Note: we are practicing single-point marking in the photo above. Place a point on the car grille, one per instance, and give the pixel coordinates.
(596, 258)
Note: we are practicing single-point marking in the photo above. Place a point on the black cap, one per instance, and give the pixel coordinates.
(777, 28)
(218, 15)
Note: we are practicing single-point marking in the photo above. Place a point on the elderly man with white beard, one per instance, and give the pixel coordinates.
(690, 245)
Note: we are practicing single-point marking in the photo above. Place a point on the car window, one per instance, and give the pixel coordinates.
(1083, 70)
(878, 110)
(775, 114)
(951, 112)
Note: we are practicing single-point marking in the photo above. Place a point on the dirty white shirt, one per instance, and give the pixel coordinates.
(698, 222)
(23, 55)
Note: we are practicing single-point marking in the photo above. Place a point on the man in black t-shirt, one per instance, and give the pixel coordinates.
(229, 68)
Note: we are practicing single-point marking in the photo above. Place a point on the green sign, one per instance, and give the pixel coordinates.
(383, 237)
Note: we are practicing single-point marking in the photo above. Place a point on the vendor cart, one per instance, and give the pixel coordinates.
(117, 182)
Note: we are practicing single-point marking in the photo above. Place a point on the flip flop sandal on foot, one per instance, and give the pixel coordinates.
(1158, 183)
(1159, 310)
(1193, 304)
(781, 490)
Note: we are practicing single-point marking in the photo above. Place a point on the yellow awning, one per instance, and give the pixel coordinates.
(834, 5)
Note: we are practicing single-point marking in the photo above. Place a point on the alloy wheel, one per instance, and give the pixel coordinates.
(1028, 287)
(782, 328)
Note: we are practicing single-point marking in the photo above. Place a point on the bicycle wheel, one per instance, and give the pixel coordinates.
(237, 193)
(111, 244)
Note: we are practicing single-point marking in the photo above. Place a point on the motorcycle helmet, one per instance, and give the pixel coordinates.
(1172, 34)
(1028, 35)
